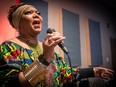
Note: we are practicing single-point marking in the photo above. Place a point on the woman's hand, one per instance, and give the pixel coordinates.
(50, 42)
(104, 73)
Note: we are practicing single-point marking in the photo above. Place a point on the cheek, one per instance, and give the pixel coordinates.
(25, 21)
(41, 18)
(41, 21)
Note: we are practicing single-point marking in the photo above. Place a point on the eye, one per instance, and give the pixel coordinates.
(38, 13)
(27, 12)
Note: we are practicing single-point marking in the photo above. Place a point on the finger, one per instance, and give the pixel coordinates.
(106, 76)
(48, 39)
(109, 70)
(56, 40)
(48, 36)
(52, 44)
(106, 69)
(51, 41)
(56, 34)
(59, 39)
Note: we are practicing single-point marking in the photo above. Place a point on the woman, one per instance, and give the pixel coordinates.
(26, 62)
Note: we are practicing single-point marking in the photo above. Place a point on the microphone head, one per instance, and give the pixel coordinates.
(49, 30)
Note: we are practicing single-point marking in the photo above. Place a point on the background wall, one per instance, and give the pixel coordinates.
(6, 31)
(85, 10)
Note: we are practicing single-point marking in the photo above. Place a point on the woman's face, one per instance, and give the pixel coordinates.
(31, 22)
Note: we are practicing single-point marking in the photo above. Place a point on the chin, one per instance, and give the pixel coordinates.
(38, 30)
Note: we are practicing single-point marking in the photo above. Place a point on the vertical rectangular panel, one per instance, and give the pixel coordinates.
(72, 33)
(42, 7)
(95, 43)
(113, 53)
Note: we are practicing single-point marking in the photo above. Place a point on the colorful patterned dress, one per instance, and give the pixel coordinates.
(14, 59)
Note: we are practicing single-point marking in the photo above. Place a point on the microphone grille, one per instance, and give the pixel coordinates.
(49, 30)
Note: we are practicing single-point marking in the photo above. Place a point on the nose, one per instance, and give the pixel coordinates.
(35, 15)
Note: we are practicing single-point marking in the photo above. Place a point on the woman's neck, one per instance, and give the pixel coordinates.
(28, 39)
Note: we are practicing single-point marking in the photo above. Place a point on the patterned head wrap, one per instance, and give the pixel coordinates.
(16, 17)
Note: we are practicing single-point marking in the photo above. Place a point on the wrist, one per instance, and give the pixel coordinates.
(96, 72)
(43, 60)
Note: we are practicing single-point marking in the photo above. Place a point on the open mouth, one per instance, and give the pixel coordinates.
(36, 23)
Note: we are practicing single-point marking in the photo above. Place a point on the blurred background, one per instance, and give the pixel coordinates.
(88, 25)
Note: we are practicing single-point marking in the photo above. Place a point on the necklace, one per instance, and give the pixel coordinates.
(28, 41)
(34, 46)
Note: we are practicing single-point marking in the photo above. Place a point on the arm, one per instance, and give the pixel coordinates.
(8, 73)
(103, 72)
(85, 73)
(12, 72)
(99, 72)
(81, 73)
(8, 76)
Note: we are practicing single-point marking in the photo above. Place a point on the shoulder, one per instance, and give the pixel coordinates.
(19, 42)
(8, 43)
(7, 48)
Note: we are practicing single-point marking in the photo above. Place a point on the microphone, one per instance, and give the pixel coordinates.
(61, 45)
